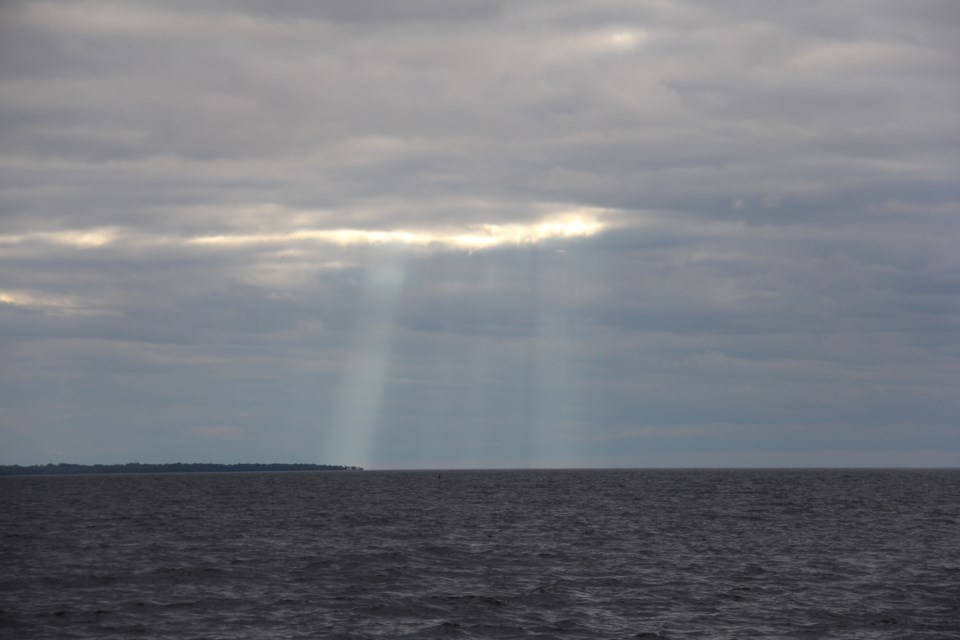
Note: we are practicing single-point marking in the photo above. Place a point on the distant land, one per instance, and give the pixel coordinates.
(64, 468)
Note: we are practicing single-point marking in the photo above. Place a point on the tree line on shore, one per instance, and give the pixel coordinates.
(65, 468)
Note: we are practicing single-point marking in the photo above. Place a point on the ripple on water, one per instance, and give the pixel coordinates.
(572, 554)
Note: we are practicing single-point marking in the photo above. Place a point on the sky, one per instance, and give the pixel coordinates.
(475, 234)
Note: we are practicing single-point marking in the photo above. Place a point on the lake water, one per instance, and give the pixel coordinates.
(483, 554)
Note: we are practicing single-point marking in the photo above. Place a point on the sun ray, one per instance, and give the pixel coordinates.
(556, 417)
(357, 413)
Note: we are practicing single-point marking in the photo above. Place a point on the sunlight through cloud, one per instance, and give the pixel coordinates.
(486, 236)
(609, 40)
(51, 304)
(86, 239)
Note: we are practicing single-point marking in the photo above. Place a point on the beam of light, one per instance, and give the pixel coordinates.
(553, 427)
(555, 421)
(357, 413)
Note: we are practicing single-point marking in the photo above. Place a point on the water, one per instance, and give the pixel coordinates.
(486, 554)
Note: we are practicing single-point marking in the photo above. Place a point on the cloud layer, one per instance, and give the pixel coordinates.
(480, 233)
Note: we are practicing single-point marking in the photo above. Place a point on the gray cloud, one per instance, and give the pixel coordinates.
(771, 278)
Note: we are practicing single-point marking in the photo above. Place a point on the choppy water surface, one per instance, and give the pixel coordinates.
(487, 554)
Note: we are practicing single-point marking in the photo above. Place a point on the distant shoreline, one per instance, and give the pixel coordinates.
(175, 467)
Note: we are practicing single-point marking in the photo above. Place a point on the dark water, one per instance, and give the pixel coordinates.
(491, 554)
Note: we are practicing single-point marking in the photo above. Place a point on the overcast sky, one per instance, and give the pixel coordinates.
(471, 233)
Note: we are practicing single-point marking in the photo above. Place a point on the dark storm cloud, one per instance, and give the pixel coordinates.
(588, 233)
